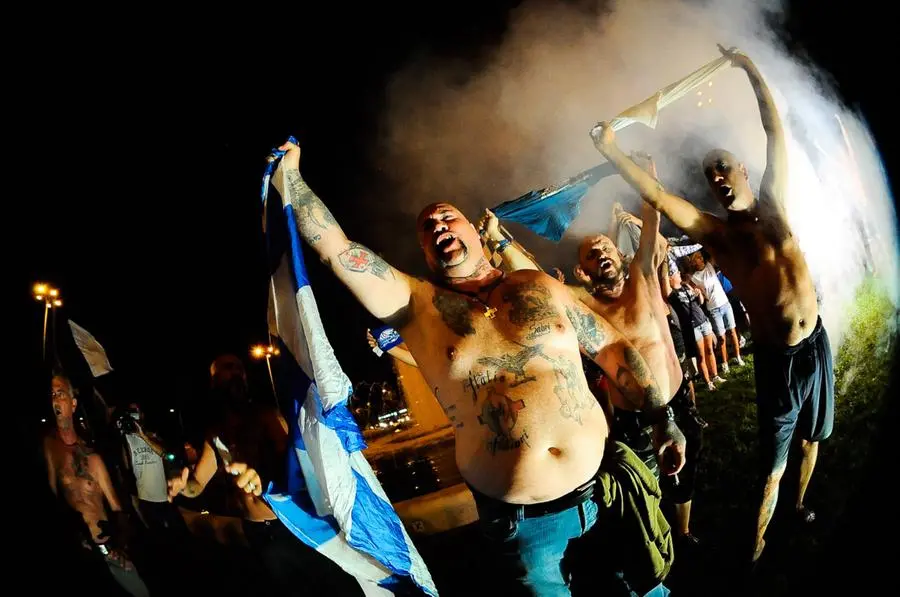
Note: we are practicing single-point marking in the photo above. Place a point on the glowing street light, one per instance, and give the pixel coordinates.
(266, 351)
(51, 298)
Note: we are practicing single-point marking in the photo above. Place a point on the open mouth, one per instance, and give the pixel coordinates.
(445, 242)
(605, 263)
(726, 191)
(57, 411)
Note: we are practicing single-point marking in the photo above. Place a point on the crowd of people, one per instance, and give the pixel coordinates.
(573, 405)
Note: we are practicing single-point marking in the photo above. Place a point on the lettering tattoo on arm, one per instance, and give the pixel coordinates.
(590, 337)
(312, 216)
(357, 258)
(455, 312)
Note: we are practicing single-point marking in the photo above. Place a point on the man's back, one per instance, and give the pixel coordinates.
(527, 427)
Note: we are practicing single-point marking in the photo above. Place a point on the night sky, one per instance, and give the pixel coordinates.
(142, 151)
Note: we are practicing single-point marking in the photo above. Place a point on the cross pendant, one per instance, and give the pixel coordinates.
(490, 312)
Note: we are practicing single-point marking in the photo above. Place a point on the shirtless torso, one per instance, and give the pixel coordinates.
(640, 315)
(79, 475)
(528, 428)
(764, 263)
(501, 353)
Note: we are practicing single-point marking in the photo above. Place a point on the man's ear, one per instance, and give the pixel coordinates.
(74, 403)
(744, 170)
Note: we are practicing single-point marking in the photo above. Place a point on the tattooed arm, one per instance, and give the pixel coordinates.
(381, 289)
(51, 470)
(192, 484)
(613, 353)
(627, 370)
(99, 472)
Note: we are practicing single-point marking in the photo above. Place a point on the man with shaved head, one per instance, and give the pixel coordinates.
(501, 353)
(757, 250)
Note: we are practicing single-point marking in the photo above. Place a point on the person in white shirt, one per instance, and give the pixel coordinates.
(144, 454)
(721, 315)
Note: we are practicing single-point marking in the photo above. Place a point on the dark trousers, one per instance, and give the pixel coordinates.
(294, 567)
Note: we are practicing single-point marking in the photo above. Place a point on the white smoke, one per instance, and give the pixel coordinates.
(479, 135)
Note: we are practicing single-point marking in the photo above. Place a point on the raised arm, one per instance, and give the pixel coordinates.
(512, 256)
(648, 255)
(627, 370)
(695, 223)
(773, 188)
(383, 290)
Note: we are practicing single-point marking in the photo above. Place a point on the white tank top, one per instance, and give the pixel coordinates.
(148, 470)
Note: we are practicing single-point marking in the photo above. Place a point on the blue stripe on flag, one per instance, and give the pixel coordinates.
(365, 518)
(550, 211)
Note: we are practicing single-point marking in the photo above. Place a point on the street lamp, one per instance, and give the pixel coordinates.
(266, 351)
(51, 298)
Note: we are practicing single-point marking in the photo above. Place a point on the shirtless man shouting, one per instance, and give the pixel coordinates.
(501, 352)
(81, 476)
(757, 250)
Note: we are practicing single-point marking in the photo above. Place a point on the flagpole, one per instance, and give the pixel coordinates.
(44, 337)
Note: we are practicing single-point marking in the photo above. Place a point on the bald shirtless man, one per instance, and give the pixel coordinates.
(80, 475)
(756, 249)
(501, 352)
(628, 296)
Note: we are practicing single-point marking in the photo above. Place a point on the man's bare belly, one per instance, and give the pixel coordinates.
(528, 429)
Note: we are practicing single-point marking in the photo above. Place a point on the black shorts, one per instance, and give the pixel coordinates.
(794, 390)
(631, 428)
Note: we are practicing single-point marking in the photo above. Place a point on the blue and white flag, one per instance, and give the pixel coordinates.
(331, 499)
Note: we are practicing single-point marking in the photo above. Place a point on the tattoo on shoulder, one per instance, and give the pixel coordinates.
(590, 337)
(312, 215)
(455, 312)
(530, 302)
(357, 258)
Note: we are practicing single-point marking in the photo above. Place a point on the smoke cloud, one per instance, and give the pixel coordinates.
(477, 135)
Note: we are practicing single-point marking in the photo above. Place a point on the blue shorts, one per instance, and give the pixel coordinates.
(722, 319)
(794, 391)
(703, 330)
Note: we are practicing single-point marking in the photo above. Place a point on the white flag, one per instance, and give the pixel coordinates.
(91, 349)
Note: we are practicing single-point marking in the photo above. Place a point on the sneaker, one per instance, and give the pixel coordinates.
(739, 361)
(711, 387)
(723, 367)
(742, 342)
(689, 540)
(718, 380)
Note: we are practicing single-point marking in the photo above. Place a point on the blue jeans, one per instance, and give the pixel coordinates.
(722, 319)
(532, 549)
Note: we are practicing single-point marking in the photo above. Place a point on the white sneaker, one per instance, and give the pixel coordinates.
(718, 380)
(743, 342)
(739, 361)
(723, 367)
(711, 387)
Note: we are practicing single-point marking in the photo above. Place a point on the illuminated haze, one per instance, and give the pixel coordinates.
(477, 136)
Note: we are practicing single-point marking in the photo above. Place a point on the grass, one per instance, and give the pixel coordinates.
(726, 499)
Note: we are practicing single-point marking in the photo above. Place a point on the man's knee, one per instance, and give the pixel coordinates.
(808, 447)
(773, 478)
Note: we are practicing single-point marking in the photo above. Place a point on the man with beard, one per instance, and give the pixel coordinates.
(501, 352)
(256, 437)
(629, 297)
(81, 476)
(757, 250)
